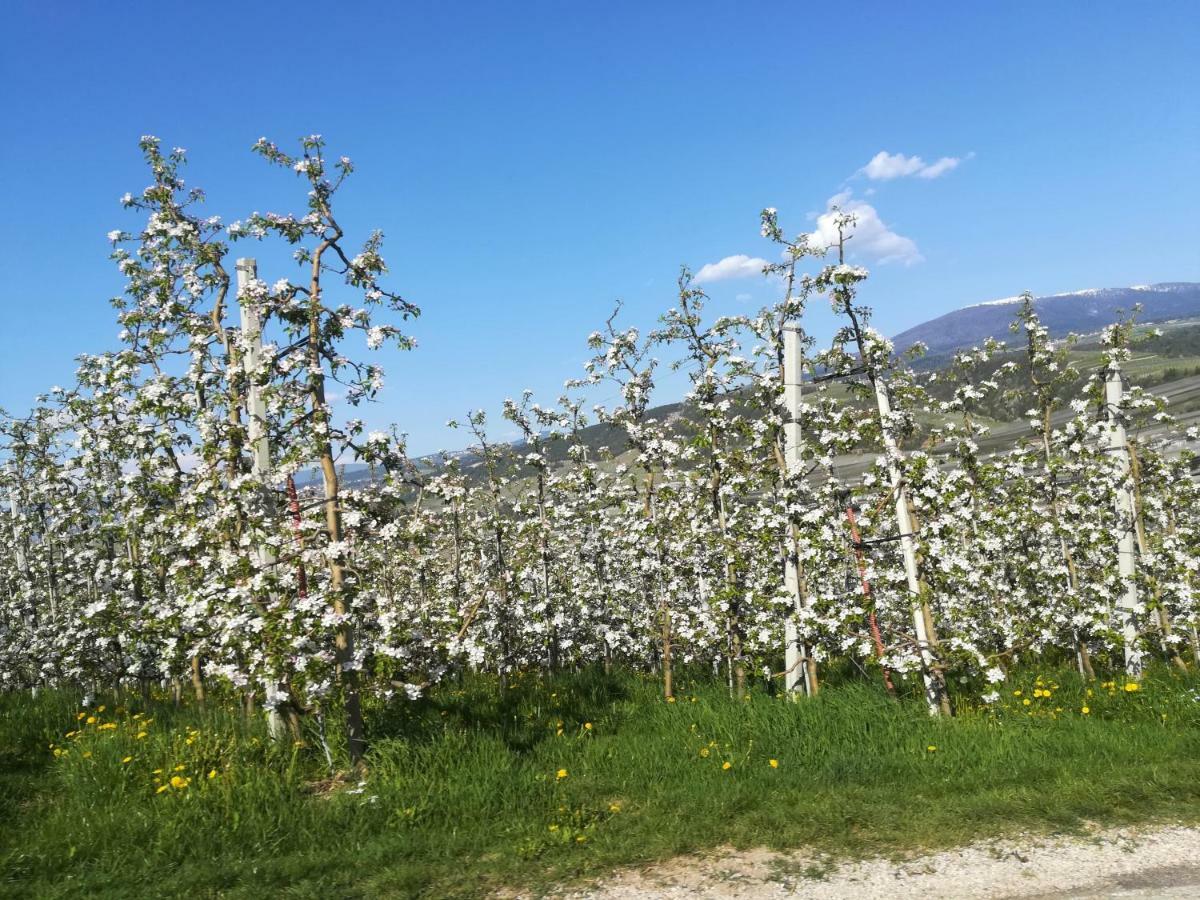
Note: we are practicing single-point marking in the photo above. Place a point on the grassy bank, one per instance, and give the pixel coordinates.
(469, 790)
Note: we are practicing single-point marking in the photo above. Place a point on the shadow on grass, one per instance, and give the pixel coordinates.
(514, 715)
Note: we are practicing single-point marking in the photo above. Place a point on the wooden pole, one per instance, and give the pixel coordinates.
(800, 670)
(260, 444)
(1129, 605)
(908, 548)
(260, 447)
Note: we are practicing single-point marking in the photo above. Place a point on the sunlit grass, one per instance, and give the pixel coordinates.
(470, 790)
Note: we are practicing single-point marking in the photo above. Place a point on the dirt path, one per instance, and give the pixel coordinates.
(1117, 863)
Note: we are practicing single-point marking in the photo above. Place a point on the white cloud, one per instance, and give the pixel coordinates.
(941, 167)
(744, 298)
(737, 266)
(885, 166)
(870, 237)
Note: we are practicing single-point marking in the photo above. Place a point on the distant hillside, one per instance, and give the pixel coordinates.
(1079, 311)
(1169, 358)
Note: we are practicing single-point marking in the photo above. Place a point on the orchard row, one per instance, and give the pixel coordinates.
(155, 530)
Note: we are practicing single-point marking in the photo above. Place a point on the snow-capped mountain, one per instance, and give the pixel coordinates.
(1079, 311)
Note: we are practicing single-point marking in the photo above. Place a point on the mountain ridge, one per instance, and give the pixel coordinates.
(1084, 311)
(1075, 311)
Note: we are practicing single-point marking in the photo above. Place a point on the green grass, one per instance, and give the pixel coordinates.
(464, 796)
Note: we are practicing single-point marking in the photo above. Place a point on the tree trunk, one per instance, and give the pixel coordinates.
(198, 681)
(343, 639)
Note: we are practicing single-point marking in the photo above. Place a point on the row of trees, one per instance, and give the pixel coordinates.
(155, 529)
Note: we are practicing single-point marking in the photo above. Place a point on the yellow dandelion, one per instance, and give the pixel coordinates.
(614, 807)
(1085, 710)
(773, 763)
(704, 751)
(726, 766)
(561, 774)
(212, 773)
(932, 748)
(127, 759)
(160, 789)
(587, 726)
(1131, 686)
(91, 720)
(1026, 701)
(179, 782)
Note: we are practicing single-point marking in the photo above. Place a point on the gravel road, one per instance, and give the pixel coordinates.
(1115, 863)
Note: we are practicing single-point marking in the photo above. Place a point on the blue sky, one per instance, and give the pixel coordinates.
(533, 163)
